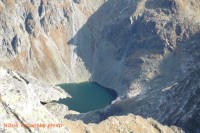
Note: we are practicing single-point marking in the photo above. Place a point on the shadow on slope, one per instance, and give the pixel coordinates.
(176, 104)
(112, 42)
(109, 43)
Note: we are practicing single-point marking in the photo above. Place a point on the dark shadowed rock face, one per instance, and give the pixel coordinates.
(151, 52)
(77, 1)
(138, 44)
(147, 50)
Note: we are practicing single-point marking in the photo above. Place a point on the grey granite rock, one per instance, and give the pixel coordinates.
(20, 104)
(59, 110)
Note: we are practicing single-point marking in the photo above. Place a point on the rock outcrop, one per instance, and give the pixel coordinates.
(22, 111)
(122, 124)
(20, 104)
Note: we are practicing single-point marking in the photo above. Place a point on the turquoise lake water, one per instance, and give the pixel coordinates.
(87, 96)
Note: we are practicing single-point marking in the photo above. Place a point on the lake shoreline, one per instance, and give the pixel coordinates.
(87, 96)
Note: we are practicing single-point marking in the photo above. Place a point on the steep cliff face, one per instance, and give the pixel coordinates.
(139, 44)
(35, 38)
